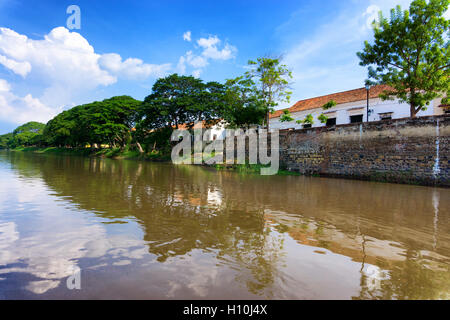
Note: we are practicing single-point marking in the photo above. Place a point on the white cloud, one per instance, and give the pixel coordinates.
(20, 68)
(20, 110)
(131, 68)
(196, 61)
(208, 51)
(208, 42)
(211, 51)
(187, 36)
(67, 68)
(61, 56)
(4, 85)
(181, 66)
(196, 73)
(64, 62)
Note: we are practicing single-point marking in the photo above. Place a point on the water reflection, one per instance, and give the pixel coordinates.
(145, 230)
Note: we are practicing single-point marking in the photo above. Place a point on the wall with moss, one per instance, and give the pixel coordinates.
(412, 151)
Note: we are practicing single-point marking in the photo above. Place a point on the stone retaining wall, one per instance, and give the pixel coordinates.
(405, 150)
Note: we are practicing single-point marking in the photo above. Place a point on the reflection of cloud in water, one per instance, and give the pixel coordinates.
(8, 235)
(214, 198)
(200, 277)
(58, 238)
(40, 287)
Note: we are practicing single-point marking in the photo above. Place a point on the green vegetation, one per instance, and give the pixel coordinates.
(108, 122)
(124, 127)
(244, 104)
(271, 79)
(29, 134)
(309, 119)
(253, 169)
(411, 54)
(5, 140)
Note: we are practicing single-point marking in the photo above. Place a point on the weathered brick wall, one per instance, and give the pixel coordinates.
(405, 150)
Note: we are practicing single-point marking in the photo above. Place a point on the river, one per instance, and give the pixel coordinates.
(119, 229)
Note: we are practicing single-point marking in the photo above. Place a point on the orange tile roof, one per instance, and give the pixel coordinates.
(340, 98)
(199, 125)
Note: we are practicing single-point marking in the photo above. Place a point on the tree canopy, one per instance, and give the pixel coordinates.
(272, 81)
(177, 100)
(411, 53)
(107, 122)
(244, 104)
(28, 134)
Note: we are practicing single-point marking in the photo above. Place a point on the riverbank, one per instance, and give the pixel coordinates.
(117, 154)
(97, 153)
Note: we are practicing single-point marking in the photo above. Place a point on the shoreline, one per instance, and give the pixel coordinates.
(241, 169)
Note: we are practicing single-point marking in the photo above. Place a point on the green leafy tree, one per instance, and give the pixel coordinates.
(112, 120)
(26, 135)
(272, 80)
(5, 140)
(104, 122)
(244, 106)
(178, 100)
(410, 53)
(175, 100)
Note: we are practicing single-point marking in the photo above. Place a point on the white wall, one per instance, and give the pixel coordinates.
(343, 112)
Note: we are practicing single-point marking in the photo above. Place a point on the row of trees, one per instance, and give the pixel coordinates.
(174, 101)
(25, 135)
(410, 53)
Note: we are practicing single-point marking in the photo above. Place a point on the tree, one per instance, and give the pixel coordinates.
(26, 135)
(5, 140)
(272, 80)
(178, 100)
(411, 54)
(104, 122)
(244, 106)
(112, 120)
(174, 100)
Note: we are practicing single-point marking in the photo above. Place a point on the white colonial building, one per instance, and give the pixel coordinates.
(351, 108)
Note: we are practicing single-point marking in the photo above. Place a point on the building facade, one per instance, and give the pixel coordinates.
(351, 108)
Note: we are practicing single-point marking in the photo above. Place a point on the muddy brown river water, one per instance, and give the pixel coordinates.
(140, 230)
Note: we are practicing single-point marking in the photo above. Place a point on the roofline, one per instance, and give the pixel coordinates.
(318, 97)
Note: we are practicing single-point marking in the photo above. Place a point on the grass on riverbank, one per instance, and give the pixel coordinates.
(253, 169)
(101, 153)
(117, 153)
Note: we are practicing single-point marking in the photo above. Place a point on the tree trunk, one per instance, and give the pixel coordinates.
(413, 111)
(139, 147)
(267, 120)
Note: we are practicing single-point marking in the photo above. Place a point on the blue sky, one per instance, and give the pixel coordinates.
(124, 46)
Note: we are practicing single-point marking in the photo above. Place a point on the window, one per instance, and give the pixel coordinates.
(386, 116)
(306, 126)
(356, 119)
(331, 122)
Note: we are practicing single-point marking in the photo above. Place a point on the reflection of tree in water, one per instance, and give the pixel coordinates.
(412, 279)
(387, 271)
(179, 208)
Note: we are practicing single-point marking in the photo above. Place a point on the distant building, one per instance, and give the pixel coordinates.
(216, 129)
(351, 108)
